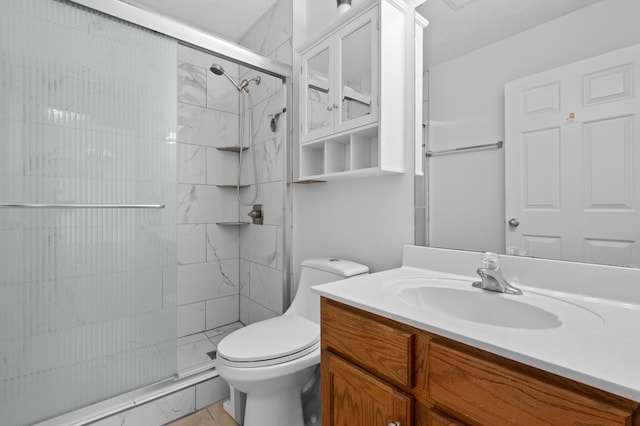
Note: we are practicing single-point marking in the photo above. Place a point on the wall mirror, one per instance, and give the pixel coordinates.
(542, 52)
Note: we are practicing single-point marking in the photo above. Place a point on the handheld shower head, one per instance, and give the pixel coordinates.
(218, 70)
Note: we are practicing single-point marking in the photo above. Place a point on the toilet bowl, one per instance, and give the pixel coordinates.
(272, 361)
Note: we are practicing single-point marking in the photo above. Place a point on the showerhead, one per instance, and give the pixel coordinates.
(218, 70)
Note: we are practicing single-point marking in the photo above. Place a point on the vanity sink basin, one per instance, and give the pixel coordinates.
(458, 299)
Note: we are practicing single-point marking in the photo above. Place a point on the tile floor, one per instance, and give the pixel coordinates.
(193, 350)
(213, 415)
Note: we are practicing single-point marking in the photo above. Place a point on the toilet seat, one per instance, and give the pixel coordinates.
(270, 342)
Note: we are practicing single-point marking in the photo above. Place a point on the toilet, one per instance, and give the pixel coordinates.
(272, 361)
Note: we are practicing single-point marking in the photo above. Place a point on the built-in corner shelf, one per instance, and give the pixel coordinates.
(231, 186)
(232, 148)
(232, 223)
(308, 181)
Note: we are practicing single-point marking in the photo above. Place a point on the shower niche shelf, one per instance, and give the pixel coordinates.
(232, 223)
(308, 181)
(232, 185)
(232, 148)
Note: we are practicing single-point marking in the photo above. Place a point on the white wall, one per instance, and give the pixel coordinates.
(466, 107)
(365, 220)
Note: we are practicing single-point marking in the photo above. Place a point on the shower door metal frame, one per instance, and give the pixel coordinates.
(190, 36)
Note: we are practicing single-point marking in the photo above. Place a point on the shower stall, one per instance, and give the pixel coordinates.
(230, 271)
(122, 242)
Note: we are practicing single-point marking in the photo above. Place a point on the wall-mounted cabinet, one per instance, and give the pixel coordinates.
(340, 76)
(353, 94)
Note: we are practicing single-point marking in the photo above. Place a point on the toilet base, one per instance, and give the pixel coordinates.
(308, 398)
(274, 401)
(234, 406)
(275, 409)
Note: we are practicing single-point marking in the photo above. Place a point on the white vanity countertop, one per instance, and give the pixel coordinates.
(604, 353)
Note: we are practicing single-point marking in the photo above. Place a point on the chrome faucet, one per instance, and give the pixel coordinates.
(491, 276)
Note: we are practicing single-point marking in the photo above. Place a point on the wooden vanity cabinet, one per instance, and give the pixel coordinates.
(357, 397)
(375, 371)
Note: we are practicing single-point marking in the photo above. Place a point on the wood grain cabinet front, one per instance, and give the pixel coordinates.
(351, 396)
(489, 393)
(376, 345)
(378, 372)
(437, 418)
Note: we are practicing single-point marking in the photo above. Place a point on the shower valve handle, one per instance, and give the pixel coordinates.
(256, 214)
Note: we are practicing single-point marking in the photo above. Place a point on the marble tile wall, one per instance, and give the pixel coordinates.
(208, 254)
(262, 246)
(229, 273)
(271, 35)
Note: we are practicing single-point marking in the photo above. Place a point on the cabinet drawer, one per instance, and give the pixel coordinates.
(489, 393)
(373, 343)
(436, 418)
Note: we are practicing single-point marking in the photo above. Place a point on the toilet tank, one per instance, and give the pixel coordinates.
(320, 271)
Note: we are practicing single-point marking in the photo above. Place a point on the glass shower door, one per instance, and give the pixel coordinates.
(87, 208)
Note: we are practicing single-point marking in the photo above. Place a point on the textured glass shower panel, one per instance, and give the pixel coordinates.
(87, 296)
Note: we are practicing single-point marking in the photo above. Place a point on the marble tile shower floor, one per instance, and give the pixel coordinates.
(194, 350)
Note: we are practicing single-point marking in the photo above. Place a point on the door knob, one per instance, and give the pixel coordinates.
(513, 222)
(394, 424)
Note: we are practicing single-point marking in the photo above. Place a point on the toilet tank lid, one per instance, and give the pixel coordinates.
(342, 267)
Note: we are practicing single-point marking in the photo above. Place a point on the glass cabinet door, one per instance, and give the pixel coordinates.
(357, 98)
(319, 92)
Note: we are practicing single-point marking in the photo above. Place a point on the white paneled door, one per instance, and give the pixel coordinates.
(572, 160)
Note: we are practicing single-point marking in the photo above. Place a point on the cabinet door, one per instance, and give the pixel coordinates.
(318, 88)
(356, 103)
(353, 397)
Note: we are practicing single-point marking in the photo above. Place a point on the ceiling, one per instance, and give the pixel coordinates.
(455, 26)
(460, 26)
(230, 19)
